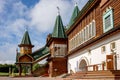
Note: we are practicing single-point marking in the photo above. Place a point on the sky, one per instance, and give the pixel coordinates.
(38, 16)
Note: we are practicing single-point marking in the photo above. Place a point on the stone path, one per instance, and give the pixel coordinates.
(29, 78)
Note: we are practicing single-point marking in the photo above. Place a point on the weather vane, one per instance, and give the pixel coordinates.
(58, 10)
(75, 2)
(26, 28)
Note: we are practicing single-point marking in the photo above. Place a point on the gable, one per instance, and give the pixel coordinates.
(25, 58)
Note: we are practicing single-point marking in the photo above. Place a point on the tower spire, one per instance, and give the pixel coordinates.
(58, 31)
(74, 15)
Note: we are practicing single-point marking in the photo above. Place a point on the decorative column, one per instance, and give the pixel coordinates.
(103, 64)
(20, 69)
(31, 68)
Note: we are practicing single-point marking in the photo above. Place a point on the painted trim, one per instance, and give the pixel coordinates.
(109, 12)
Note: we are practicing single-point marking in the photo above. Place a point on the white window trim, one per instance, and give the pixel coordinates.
(81, 37)
(112, 49)
(106, 14)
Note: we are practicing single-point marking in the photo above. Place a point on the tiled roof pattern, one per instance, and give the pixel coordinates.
(26, 39)
(58, 31)
(74, 15)
(39, 53)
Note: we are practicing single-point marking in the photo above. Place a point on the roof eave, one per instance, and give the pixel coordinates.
(21, 45)
(77, 19)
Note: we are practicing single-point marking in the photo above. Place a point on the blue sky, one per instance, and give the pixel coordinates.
(37, 15)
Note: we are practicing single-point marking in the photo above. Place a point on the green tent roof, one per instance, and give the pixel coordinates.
(26, 39)
(74, 15)
(58, 31)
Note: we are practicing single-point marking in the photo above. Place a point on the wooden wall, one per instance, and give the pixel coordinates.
(96, 13)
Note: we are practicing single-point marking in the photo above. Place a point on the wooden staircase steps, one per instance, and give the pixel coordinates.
(107, 74)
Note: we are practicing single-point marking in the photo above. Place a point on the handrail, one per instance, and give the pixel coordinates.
(96, 67)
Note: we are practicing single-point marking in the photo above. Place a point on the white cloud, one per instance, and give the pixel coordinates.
(11, 28)
(44, 13)
(2, 5)
(8, 51)
(40, 19)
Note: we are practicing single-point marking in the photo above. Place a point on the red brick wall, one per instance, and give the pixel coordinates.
(57, 66)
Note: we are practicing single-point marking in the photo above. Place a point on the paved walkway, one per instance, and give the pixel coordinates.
(29, 78)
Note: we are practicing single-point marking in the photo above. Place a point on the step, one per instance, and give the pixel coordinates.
(111, 74)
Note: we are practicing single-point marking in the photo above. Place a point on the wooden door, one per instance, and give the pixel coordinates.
(110, 62)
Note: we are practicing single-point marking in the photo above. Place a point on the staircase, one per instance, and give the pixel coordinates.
(95, 75)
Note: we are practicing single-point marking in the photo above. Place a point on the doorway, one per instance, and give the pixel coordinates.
(83, 65)
(110, 62)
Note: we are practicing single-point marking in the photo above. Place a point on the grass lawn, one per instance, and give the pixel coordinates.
(13, 74)
(4, 74)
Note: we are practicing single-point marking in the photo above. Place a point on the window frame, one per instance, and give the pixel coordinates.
(109, 12)
(103, 49)
(111, 46)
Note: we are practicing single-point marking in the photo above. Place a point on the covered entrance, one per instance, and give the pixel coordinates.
(83, 65)
(25, 68)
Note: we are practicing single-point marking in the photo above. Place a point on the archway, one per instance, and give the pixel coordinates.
(82, 65)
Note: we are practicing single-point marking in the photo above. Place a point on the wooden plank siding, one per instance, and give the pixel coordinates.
(96, 13)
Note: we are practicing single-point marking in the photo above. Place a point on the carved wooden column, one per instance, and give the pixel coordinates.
(31, 68)
(20, 69)
(103, 66)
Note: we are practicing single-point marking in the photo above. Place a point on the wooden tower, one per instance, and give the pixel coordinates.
(57, 43)
(24, 57)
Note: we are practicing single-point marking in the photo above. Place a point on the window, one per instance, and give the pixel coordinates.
(103, 49)
(60, 50)
(82, 35)
(93, 28)
(108, 20)
(85, 32)
(89, 52)
(89, 30)
(77, 39)
(112, 46)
